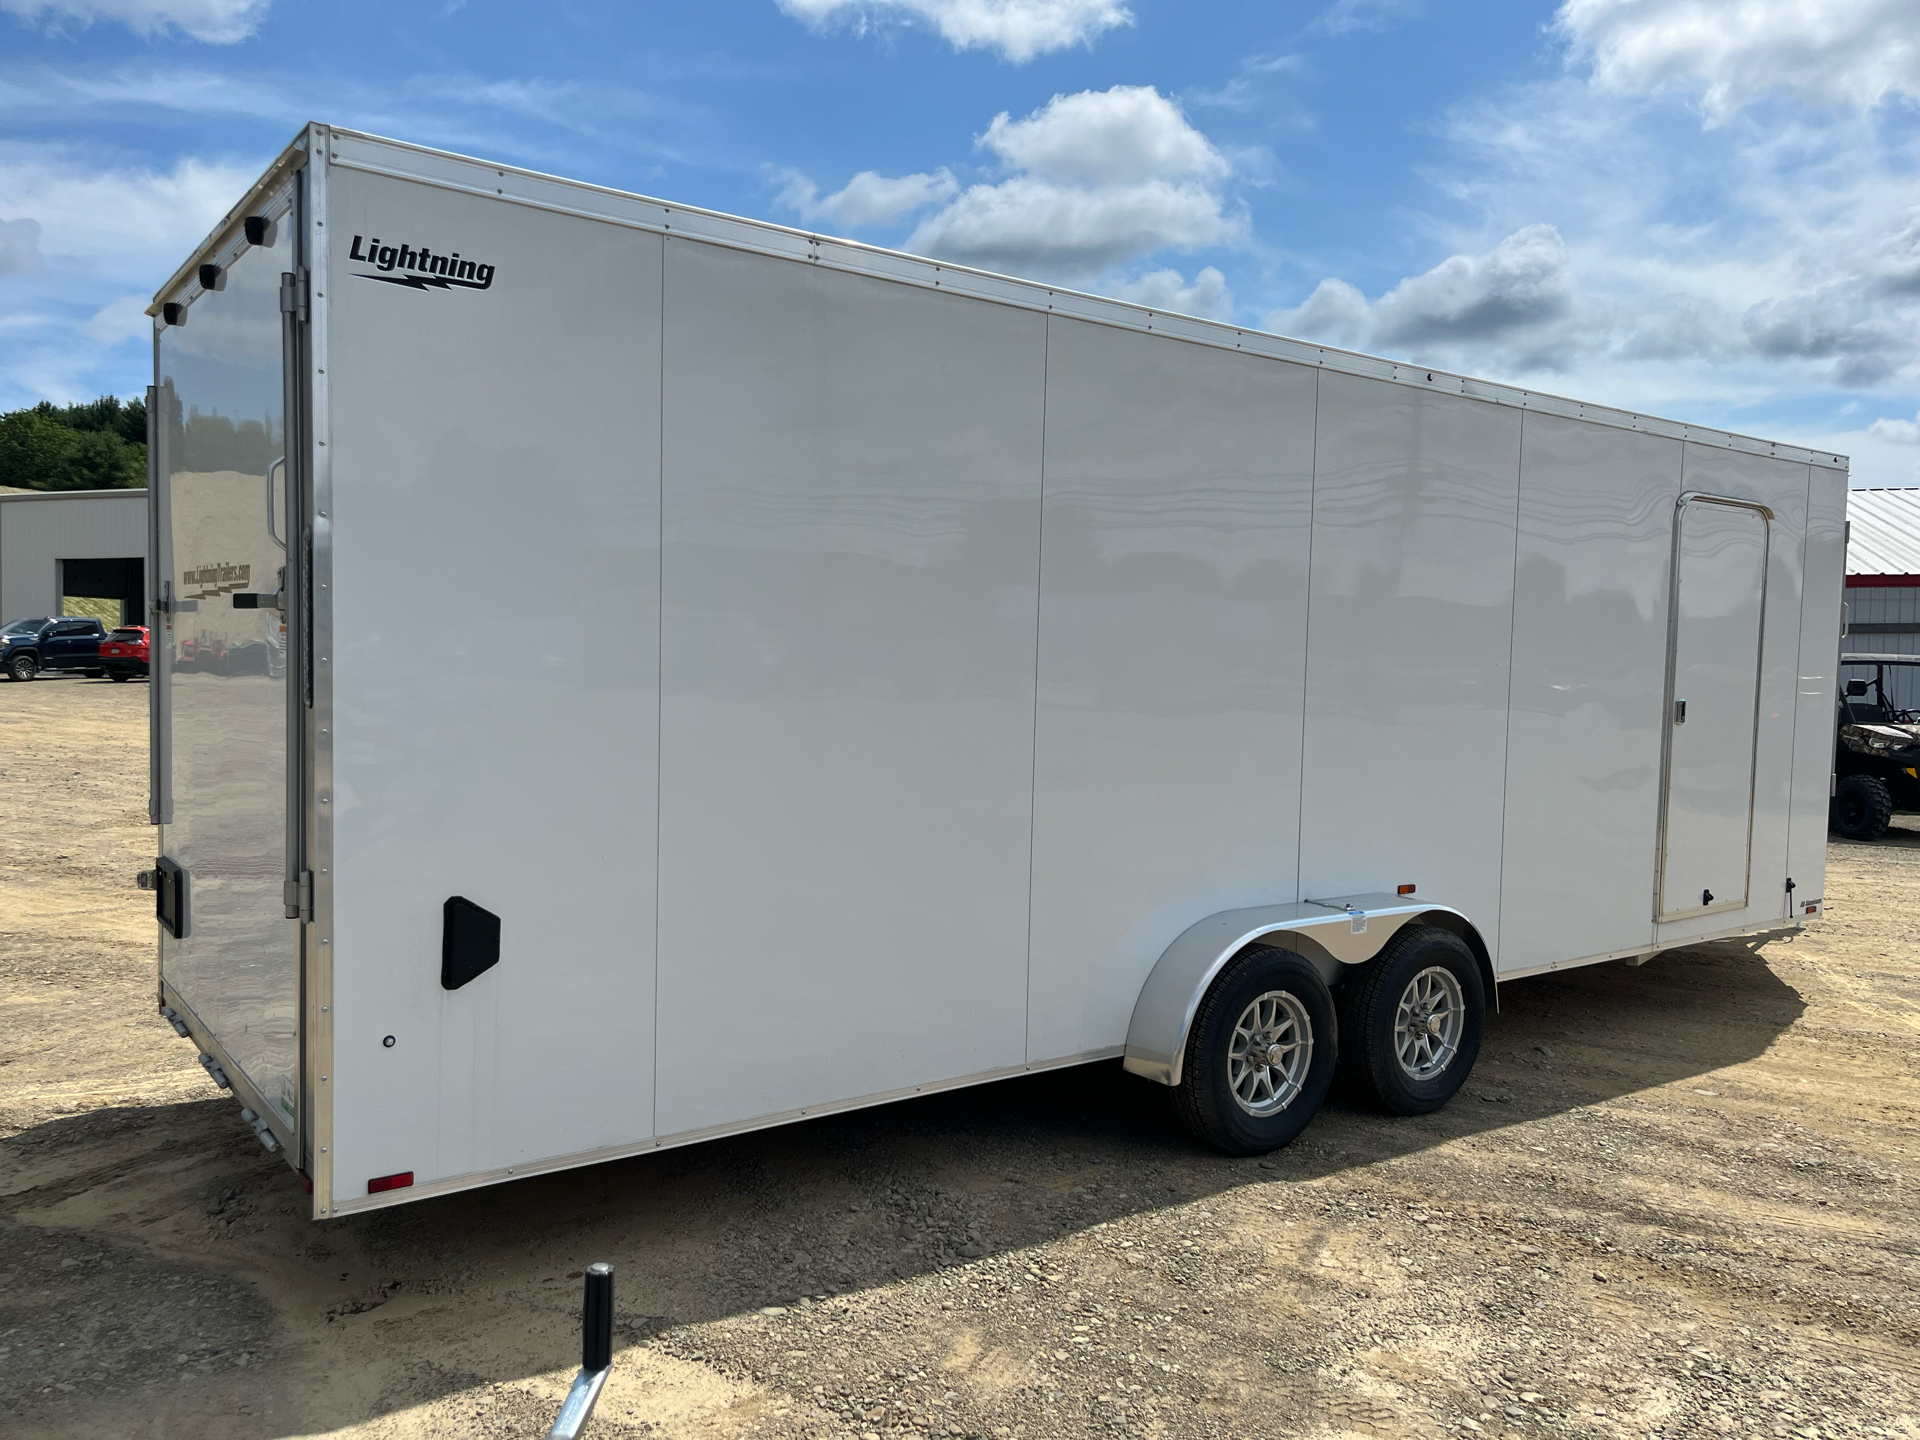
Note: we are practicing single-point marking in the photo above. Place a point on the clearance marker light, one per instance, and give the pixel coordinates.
(1406, 889)
(390, 1182)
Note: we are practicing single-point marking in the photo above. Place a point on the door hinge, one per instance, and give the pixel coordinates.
(293, 294)
(298, 895)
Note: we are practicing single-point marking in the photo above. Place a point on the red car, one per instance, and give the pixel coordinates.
(123, 654)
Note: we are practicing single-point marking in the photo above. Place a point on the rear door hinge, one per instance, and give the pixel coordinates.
(293, 294)
(299, 896)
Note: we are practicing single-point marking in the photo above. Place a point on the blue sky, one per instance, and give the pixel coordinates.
(1708, 209)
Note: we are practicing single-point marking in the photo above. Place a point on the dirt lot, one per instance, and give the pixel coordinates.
(1675, 1200)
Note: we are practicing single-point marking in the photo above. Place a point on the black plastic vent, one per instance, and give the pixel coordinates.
(470, 943)
(170, 896)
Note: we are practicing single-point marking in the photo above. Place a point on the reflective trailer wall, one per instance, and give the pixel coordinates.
(222, 403)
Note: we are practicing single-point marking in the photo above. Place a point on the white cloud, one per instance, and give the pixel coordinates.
(1761, 274)
(869, 198)
(125, 225)
(1120, 136)
(20, 247)
(1730, 52)
(108, 239)
(1898, 432)
(124, 318)
(218, 22)
(1344, 17)
(1514, 300)
(1018, 29)
(1208, 297)
(1106, 177)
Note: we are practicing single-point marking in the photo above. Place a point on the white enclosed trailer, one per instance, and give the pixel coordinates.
(716, 674)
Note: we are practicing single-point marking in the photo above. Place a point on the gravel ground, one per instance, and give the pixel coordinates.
(1674, 1200)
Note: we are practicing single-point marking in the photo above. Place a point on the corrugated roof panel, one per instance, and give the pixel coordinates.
(1886, 531)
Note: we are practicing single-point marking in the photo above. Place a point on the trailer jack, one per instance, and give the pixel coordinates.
(596, 1355)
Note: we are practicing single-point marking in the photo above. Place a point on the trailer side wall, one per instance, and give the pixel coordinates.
(1589, 671)
(852, 535)
(940, 660)
(1172, 661)
(496, 542)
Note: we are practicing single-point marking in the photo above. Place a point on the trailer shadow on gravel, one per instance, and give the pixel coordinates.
(832, 1206)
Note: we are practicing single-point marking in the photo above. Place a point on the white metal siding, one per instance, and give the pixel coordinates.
(1817, 693)
(1885, 538)
(1589, 673)
(1410, 622)
(495, 524)
(1172, 661)
(852, 526)
(39, 531)
(1782, 486)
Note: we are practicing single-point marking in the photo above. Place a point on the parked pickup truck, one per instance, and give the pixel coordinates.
(28, 647)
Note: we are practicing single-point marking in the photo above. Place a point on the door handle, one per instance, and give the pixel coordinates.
(1679, 712)
(279, 464)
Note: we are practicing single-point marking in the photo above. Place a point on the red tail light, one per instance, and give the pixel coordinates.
(390, 1182)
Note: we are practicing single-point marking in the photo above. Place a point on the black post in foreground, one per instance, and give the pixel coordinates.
(596, 1355)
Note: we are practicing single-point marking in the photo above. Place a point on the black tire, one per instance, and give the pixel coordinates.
(23, 667)
(1370, 1038)
(117, 675)
(1861, 808)
(1206, 1099)
(95, 674)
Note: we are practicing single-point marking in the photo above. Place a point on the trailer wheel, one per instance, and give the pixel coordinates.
(1411, 1021)
(1260, 1054)
(1862, 808)
(23, 667)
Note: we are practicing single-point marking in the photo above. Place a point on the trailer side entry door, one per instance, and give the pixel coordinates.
(1713, 706)
(221, 669)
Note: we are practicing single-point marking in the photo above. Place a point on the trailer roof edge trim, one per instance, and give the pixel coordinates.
(289, 160)
(376, 154)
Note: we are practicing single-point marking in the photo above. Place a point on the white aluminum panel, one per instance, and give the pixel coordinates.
(495, 534)
(852, 506)
(221, 404)
(1410, 620)
(1179, 488)
(1589, 681)
(1817, 699)
(1781, 485)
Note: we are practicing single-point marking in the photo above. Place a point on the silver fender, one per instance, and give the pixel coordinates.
(1331, 934)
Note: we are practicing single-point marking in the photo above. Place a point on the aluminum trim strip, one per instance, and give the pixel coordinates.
(1756, 927)
(317, 1002)
(226, 239)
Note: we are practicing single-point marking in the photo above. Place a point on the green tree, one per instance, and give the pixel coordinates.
(98, 445)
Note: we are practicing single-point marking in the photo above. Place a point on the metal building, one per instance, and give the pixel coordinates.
(60, 549)
(1883, 582)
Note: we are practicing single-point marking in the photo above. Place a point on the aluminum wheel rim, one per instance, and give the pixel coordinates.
(1268, 1056)
(1428, 1021)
